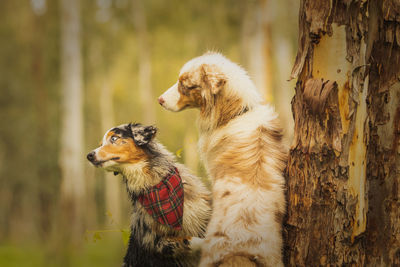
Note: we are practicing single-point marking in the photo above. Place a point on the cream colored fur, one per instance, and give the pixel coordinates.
(263, 237)
(245, 159)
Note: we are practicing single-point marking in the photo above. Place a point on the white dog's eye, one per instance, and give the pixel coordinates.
(114, 138)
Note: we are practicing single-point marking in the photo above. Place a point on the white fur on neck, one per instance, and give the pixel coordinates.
(136, 178)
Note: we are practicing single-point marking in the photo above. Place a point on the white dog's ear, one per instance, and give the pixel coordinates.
(213, 77)
(142, 135)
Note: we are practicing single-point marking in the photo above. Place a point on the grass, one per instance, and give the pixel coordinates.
(108, 251)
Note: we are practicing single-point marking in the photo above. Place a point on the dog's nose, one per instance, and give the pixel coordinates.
(90, 156)
(161, 100)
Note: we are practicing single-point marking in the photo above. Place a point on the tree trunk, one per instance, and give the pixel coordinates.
(73, 184)
(144, 75)
(343, 170)
(266, 27)
(112, 183)
(256, 46)
(44, 193)
(282, 15)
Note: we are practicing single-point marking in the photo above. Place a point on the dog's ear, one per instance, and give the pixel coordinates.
(142, 135)
(213, 78)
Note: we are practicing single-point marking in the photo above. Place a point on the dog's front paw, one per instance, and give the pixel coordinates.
(168, 250)
(196, 243)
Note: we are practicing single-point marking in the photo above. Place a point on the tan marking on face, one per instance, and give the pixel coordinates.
(212, 77)
(189, 89)
(197, 90)
(196, 85)
(124, 149)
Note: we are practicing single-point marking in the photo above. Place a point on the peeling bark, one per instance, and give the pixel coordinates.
(343, 170)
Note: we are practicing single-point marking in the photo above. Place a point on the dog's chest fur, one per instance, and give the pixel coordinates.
(145, 235)
(148, 238)
(245, 161)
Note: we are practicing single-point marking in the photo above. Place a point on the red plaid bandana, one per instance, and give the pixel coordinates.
(164, 201)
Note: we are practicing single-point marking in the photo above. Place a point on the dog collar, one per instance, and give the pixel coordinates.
(164, 201)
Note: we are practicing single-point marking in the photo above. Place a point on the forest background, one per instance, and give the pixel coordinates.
(127, 52)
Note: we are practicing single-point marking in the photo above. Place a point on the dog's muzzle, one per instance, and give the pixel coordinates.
(91, 157)
(161, 100)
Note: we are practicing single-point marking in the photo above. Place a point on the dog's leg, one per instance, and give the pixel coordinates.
(173, 246)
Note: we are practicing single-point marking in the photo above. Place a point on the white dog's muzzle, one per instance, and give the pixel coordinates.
(169, 99)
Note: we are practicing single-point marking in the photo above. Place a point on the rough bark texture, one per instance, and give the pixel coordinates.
(343, 171)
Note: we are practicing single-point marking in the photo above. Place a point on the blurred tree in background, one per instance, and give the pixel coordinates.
(130, 51)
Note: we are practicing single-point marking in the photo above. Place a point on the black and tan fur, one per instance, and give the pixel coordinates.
(132, 151)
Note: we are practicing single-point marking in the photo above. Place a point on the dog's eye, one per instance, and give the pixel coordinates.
(114, 138)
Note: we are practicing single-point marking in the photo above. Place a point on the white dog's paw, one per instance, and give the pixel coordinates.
(196, 243)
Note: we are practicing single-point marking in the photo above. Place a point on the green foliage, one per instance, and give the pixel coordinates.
(16, 256)
(125, 233)
(179, 152)
(108, 252)
(97, 235)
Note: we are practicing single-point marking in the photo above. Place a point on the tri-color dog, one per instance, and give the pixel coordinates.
(241, 146)
(170, 204)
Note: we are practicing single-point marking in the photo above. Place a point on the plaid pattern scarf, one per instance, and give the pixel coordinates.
(164, 201)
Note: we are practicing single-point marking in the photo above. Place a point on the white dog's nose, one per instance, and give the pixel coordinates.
(161, 100)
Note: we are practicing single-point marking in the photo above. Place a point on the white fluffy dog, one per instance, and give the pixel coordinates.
(241, 146)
